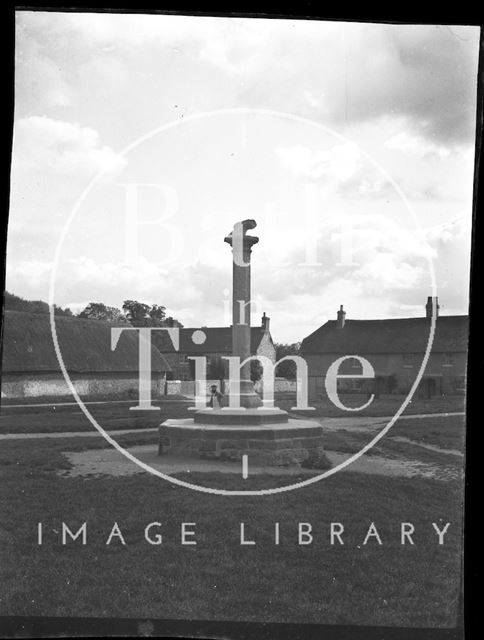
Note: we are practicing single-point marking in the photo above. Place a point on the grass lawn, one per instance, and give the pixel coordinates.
(55, 417)
(385, 405)
(446, 433)
(389, 584)
(67, 418)
(126, 396)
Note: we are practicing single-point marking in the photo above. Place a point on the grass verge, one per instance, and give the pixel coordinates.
(389, 584)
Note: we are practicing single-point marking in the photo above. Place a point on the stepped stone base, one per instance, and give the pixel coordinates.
(277, 444)
(228, 417)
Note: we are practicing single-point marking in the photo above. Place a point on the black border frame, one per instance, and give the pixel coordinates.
(39, 627)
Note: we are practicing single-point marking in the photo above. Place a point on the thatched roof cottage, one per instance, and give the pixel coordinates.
(30, 366)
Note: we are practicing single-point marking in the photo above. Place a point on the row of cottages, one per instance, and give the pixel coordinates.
(215, 345)
(30, 366)
(395, 348)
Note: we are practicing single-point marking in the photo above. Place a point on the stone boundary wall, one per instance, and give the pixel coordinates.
(187, 387)
(54, 385)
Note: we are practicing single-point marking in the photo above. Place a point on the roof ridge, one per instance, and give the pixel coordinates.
(440, 317)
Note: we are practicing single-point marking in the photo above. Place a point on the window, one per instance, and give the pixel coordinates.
(448, 359)
(459, 384)
(408, 359)
(351, 366)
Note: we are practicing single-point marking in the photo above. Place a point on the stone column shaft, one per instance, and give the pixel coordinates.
(241, 311)
(241, 314)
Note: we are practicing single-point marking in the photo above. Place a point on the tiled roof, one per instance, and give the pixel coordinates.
(218, 340)
(400, 335)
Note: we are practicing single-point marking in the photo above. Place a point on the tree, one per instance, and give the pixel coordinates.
(58, 311)
(173, 322)
(113, 314)
(136, 312)
(157, 315)
(99, 311)
(94, 311)
(287, 369)
(140, 314)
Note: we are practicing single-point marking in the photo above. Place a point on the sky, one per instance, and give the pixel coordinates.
(139, 140)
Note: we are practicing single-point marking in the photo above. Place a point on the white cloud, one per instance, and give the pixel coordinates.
(413, 87)
(109, 30)
(336, 165)
(341, 169)
(363, 255)
(32, 269)
(64, 148)
(28, 278)
(238, 47)
(384, 272)
(356, 73)
(334, 72)
(416, 145)
(448, 232)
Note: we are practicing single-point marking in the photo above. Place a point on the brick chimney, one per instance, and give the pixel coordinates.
(428, 307)
(266, 322)
(341, 317)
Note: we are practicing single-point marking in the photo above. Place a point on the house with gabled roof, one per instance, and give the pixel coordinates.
(395, 348)
(217, 344)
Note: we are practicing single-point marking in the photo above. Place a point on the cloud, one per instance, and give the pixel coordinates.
(337, 164)
(387, 275)
(413, 86)
(113, 282)
(451, 242)
(446, 233)
(367, 255)
(64, 148)
(39, 77)
(110, 31)
(239, 46)
(57, 54)
(355, 73)
(29, 278)
(36, 271)
(335, 73)
(342, 169)
(416, 145)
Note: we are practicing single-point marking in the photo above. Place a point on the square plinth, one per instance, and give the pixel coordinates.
(278, 444)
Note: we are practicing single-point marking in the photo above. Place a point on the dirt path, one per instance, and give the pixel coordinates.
(397, 467)
(430, 447)
(4, 405)
(72, 434)
(363, 423)
(109, 462)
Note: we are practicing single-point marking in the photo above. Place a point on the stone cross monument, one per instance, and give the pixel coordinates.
(241, 244)
(264, 435)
